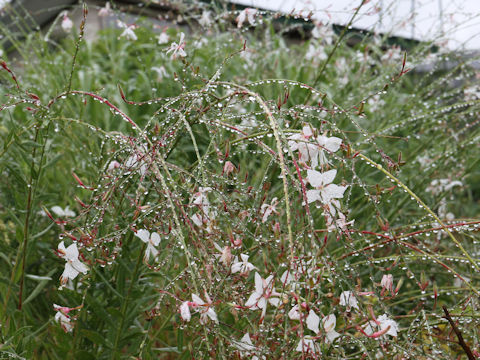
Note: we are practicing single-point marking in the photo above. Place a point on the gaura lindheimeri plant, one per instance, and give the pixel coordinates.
(190, 176)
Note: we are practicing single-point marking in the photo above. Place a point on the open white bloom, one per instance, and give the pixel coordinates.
(206, 19)
(62, 317)
(205, 309)
(331, 144)
(384, 325)
(128, 31)
(348, 299)
(185, 311)
(67, 24)
(307, 150)
(178, 49)
(152, 240)
(329, 322)
(325, 190)
(163, 38)
(246, 14)
(73, 266)
(268, 209)
(264, 293)
(63, 213)
(243, 265)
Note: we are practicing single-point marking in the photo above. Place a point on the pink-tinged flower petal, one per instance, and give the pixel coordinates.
(64, 322)
(385, 322)
(185, 311)
(313, 320)
(253, 300)
(61, 249)
(307, 131)
(196, 299)
(294, 314)
(144, 235)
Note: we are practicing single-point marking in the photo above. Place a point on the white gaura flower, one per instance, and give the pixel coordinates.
(348, 299)
(268, 209)
(185, 311)
(242, 266)
(206, 19)
(330, 144)
(329, 322)
(152, 240)
(63, 213)
(382, 326)
(387, 283)
(205, 309)
(246, 14)
(128, 31)
(264, 293)
(178, 49)
(67, 24)
(308, 151)
(73, 266)
(163, 38)
(62, 317)
(325, 190)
